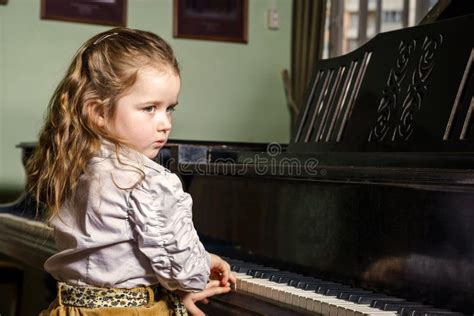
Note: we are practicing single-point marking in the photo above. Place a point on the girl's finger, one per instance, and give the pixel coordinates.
(224, 278)
(213, 283)
(194, 310)
(225, 271)
(211, 292)
(232, 278)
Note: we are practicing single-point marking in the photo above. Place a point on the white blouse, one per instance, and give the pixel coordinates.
(122, 231)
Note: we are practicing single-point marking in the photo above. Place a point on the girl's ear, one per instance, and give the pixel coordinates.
(96, 112)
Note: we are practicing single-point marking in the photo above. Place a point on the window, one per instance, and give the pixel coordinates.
(351, 23)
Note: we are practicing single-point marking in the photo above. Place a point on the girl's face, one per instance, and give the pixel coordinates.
(143, 115)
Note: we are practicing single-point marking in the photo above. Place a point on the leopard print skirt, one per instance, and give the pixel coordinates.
(96, 297)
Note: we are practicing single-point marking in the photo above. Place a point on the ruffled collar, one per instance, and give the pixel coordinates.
(128, 155)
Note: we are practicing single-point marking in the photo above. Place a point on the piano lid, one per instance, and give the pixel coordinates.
(409, 90)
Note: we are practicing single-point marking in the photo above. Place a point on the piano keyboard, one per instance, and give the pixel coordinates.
(24, 238)
(320, 296)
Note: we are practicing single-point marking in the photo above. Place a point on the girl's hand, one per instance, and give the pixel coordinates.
(220, 270)
(189, 299)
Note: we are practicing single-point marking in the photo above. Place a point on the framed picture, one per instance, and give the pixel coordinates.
(3, 1)
(104, 12)
(216, 20)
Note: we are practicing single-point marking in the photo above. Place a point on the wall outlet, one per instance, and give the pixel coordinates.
(273, 19)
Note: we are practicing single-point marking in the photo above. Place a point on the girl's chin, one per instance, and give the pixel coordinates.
(151, 153)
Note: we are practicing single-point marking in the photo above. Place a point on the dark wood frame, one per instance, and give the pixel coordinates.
(3, 1)
(113, 15)
(194, 27)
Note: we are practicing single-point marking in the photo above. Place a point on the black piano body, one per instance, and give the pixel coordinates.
(376, 187)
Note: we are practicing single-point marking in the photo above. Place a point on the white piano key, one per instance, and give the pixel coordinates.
(300, 297)
(290, 295)
(309, 300)
(264, 286)
(369, 311)
(240, 277)
(343, 308)
(260, 287)
(315, 305)
(277, 291)
(272, 288)
(321, 306)
(243, 285)
(284, 294)
(252, 285)
(303, 298)
(302, 301)
(338, 308)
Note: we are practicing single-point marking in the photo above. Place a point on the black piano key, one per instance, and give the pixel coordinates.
(399, 306)
(283, 277)
(434, 312)
(332, 289)
(409, 310)
(314, 285)
(240, 269)
(280, 279)
(370, 298)
(263, 274)
(347, 294)
(243, 268)
(299, 282)
(341, 291)
(424, 311)
(257, 272)
(380, 302)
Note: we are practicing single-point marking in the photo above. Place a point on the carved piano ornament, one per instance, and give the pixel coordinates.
(368, 210)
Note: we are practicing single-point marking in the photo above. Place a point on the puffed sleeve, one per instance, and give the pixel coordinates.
(161, 216)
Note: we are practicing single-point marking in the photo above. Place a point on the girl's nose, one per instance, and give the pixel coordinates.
(164, 122)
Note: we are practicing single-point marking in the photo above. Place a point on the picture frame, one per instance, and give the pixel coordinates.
(3, 2)
(103, 12)
(214, 20)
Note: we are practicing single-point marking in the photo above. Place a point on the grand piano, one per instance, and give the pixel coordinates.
(367, 211)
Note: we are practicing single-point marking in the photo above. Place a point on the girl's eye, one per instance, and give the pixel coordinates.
(149, 109)
(170, 109)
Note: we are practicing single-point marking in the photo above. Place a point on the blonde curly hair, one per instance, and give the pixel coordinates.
(101, 71)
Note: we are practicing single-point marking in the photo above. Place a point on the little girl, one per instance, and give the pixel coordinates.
(124, 233)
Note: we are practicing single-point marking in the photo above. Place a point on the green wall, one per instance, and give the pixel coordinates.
(230, 92)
